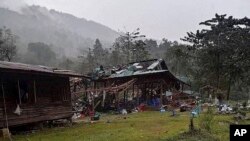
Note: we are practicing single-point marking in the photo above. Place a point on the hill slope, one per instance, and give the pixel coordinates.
(65, 32)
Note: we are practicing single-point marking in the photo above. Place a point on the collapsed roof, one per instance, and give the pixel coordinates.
(136, 69)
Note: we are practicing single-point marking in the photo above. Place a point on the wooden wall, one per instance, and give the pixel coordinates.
(40, 97)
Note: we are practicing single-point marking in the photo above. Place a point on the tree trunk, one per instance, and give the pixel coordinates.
(229, 88)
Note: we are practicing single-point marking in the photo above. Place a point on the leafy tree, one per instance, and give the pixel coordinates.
(115, 57)
(165, 43)
(130, 44)
(152, 47)
(176, 56)
(163, 47)
(7, 44)
(150, 44)
(222, 50)
(139, 51)
(90, 60)
(66, 63)
(40, 53)
(98, 52)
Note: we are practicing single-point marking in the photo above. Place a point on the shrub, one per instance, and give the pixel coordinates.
(244, 104)
(207, 120)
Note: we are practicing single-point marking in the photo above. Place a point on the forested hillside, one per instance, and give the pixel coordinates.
(66, 33)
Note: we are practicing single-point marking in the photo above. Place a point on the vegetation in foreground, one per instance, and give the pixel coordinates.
(146, 126)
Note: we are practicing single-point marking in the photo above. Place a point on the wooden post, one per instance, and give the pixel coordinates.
(93, 103)
(117, 98)
(34, 85)
(5, 110)
(144, 92)
(19, 92)
(138, 100)
(93, 98)
(182, 87)
(124, 97)
(133, 93)
(161, 93)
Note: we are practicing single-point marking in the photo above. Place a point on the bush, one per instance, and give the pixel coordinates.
(244, 104)
(207, 120)
(243, 113)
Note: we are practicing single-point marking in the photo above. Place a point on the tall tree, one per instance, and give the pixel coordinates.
(131, 44)
(177, 59)
(152, 47)
(40, 53)
(7, 44)
(223, 49)
(98, 52)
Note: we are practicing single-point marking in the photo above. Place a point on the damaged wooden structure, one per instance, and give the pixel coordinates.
(30, 94)
(141, 82)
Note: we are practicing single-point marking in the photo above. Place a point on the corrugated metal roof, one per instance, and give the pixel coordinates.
(36, 68)
(129, 73)
(140, 68)
(154, 66)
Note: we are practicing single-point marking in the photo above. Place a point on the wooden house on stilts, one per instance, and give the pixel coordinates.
(31, 94)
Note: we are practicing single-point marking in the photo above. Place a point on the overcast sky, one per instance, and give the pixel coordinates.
(157, 19)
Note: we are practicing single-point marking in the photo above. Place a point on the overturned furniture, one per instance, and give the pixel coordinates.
(31, 94)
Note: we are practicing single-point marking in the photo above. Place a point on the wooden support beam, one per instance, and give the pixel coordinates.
(93, 102)
(19, 92)
(133, 91)
(34, 85)
(182, 85)
(138, 100)
(5, 108)
(124, 97)
(161, 93)
(117, 98)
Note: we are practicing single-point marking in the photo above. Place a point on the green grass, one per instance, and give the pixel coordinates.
(144, 126)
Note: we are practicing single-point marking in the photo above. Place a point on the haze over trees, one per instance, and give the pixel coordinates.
(217, 55)
(40, 53)
(65, 32)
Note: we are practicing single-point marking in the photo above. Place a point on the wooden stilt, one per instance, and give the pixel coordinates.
(182, 87)
(34, 84)
(93, 103)
(133, 91)
(161, 93)
(138, 96)
(124, 97)
(19, 92)
(6, 132)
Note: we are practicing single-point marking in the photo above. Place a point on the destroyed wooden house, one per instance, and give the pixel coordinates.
(141, 82)
(31, 94)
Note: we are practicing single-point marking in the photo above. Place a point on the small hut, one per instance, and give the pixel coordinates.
(30, 93)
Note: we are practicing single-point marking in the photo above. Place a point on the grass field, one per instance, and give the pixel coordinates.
(144, 126)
